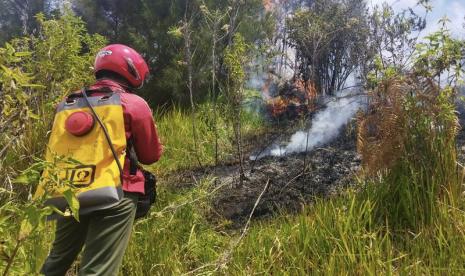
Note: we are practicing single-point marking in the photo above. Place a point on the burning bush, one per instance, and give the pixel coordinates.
(294, 100)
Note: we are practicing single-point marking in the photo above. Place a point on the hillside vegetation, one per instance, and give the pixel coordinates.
(404, 212)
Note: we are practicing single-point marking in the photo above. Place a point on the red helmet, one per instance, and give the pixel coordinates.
(124, 61)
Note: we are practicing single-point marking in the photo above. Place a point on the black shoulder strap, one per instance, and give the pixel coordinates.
(106, 90)
(107, 136)
(133, 160)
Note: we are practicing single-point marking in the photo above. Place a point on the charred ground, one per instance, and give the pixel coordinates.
(294, 180)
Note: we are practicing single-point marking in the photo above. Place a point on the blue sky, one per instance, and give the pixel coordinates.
(453, 9)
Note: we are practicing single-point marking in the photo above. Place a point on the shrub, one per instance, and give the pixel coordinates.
(408, 136)
(35, 73)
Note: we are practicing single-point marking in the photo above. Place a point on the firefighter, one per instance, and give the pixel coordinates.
(104, 232)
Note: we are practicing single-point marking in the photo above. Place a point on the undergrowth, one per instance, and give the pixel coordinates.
(330, 237)
(344, 235)
(405, 218)
(176, 132)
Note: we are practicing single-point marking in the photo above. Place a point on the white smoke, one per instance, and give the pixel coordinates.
(325, 126)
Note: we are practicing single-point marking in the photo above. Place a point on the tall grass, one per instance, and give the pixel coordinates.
(390, 224)
(181, 151)
(409, 139)
(340, 236)
(407, 219)
(176, 238)
(177, 135)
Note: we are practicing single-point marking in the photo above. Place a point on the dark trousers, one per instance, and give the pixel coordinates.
(104, 234)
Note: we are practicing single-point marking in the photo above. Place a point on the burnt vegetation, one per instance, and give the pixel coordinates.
(301, 137)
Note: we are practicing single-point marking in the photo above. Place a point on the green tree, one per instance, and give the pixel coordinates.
(17, 17)
(144, 25)
(330, 38)
(57, 60)
(391, 44)
(441, 57)
(236, 59)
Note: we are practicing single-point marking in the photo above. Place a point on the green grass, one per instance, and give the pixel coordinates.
(173, 239)
(340, 236)
(361, 232)
(337, 236)
(181, 151)
(177, 134)
(408, 221)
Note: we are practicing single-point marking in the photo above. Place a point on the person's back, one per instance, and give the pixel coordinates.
(105, 233)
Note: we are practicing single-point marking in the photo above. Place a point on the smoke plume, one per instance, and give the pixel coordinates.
(325, 126)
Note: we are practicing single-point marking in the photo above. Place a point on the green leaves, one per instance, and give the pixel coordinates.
(33, 217)
(236, 59)
(24, 179)
(331, 41)
(22, 54)
(175, 31)
(73, 203)
(31, 175)
(440, 54)
(26, 229)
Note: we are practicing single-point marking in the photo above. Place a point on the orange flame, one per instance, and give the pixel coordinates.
(268, 5)
(277, 106)
(308, 88)
(296, 104)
